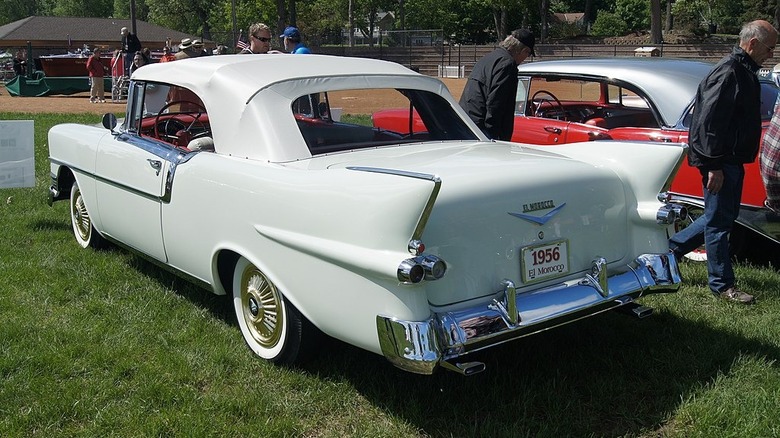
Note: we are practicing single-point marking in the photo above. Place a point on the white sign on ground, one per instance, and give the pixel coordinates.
(17, 153)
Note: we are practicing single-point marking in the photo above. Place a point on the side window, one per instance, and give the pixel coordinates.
(135, 96)
(686, 123)
(169, 113)
(625, 97)
(521, 96)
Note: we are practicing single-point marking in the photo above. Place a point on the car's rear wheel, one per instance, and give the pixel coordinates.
(83, 230)
(272, 327)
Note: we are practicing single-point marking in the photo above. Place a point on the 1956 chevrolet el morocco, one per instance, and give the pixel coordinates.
(263, 179)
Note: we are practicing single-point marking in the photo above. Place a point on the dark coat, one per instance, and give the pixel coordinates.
(131, 43)
(489, 94)
(726, 123)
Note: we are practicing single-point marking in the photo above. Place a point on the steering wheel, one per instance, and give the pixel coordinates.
(548, 98)
(172, 127)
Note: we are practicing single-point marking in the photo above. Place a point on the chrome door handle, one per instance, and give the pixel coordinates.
(156, 165)
(553, 129)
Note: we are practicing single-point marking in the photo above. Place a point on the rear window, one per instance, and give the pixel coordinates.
(365, 118)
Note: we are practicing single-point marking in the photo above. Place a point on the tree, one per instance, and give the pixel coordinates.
(635, 13)
(608, 24)
(13, 10)
(83, 8)
(708, 13)
(189, 16)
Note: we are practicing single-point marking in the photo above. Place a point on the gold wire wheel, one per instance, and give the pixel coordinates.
(262, 307)
(82, 223)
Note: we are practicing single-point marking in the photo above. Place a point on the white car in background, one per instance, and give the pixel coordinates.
(420, 246)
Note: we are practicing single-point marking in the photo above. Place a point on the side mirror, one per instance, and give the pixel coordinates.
(109, 121)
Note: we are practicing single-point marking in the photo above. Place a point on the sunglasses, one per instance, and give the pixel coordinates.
(263, 39)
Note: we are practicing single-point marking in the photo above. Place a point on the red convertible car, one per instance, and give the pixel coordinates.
(645, 99)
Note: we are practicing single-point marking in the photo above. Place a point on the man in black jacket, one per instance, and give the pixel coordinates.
(724, 135)
(489, 94)
(130, 45)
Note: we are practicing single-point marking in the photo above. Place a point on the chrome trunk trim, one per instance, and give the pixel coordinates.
(421, 346)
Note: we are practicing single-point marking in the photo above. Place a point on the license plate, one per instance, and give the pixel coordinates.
(540, 262)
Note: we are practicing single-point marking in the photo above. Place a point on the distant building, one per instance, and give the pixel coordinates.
(51, 35)
(384, 22)
(577, 18)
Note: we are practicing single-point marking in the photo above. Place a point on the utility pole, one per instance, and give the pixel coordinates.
(233, 16)
(133, 28)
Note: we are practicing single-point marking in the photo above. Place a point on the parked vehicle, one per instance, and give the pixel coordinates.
(422, 246)
(647, 99)
(636, 99)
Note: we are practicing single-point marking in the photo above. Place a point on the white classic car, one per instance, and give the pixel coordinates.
(261, 177)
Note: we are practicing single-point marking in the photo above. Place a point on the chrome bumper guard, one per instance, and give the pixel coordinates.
(422, 346)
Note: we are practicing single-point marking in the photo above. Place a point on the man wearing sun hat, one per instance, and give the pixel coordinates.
(292, 41)
(187, 49)
(489, 94)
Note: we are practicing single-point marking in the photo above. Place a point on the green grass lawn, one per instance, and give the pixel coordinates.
(102, 343)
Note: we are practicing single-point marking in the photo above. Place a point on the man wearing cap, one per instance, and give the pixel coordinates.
(489, 94)
(292, 41)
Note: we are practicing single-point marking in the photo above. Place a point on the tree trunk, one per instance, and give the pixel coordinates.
(351, 20)
(669, 17)
(371, 23)
(500, 22)
(293, 14)
(589, 18)
(655, 22)
(544, 12)
(281, 16)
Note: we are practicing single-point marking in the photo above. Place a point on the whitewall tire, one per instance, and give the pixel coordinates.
(83, 230)
(272, 328)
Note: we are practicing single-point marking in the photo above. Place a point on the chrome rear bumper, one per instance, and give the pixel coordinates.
(421, 346)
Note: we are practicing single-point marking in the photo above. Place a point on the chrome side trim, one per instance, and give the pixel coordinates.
(426, 213)
(421, 346)
(758, 219)
(173, 159)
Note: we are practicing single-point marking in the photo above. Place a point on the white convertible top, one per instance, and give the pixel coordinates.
(246, 74)
(248, 97)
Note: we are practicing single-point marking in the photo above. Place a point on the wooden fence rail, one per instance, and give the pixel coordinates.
(429, 60)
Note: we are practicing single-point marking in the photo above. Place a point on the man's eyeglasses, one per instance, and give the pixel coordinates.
(263, 39)
(770, 49)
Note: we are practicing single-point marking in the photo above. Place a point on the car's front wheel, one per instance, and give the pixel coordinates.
(85, 232)
(272, 327)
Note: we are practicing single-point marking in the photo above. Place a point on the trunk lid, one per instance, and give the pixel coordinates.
(510, 212)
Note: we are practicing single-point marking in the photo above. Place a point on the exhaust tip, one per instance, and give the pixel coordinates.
(464, 368)
(637, 310)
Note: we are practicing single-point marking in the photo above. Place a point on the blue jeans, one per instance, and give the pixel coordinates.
(713, 228)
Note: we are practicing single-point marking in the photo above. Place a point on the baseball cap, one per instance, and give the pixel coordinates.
(526, 37)
(291, 32)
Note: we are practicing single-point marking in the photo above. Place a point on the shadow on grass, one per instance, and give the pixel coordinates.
(218, 305)
(609, 375)
(50, 225)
